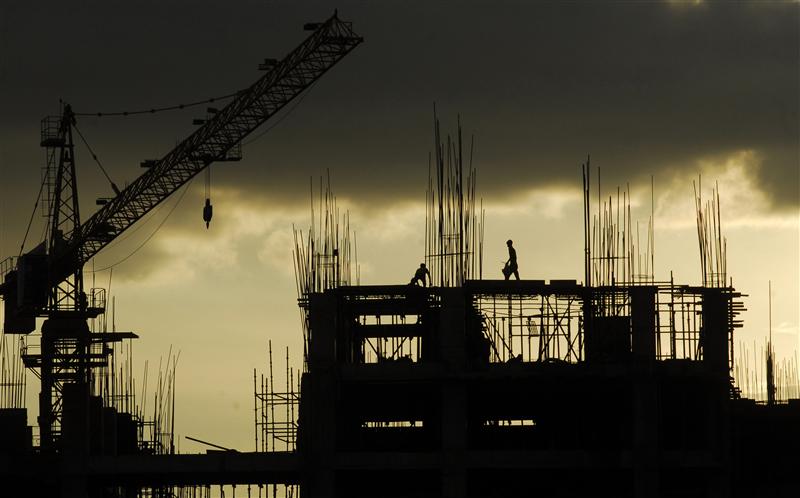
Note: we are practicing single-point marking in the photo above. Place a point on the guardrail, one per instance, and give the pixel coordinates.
(6, 266)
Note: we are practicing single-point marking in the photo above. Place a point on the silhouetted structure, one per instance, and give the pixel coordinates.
(497, 388)
(87, 447)
(620, 386)
(596, 403)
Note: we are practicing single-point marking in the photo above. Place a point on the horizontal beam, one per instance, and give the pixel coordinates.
(524, 288)
(520, 460)
(388, 330)
(228, 467)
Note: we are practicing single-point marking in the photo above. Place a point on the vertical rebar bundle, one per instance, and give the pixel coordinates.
(324, 258)
(156, 434)
(762, 377)
(453, 228)
(164, 405)
(713, 246)
(613, 248)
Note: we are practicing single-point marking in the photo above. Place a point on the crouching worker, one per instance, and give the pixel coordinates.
(421, 275)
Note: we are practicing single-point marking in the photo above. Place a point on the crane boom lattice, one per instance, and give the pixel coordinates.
(329, 43)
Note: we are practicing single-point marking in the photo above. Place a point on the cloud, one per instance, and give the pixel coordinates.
(550, 203)
(643, 88)
(686, 3)
(392, 223)
(183, 246)
(743, 200)
(276, 250)
(249, 228)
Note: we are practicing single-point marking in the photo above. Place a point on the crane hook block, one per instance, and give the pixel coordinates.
(208, 212)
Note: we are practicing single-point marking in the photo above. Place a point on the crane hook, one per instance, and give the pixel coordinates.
(208, 212)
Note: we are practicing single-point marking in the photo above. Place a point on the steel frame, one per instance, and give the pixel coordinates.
(529, 326)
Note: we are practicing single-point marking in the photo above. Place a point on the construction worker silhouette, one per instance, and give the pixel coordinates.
(421, 275)
(511, 265)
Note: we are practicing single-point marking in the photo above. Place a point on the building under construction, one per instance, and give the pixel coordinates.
(617, 386)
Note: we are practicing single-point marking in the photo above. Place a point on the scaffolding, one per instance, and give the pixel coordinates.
(541, 323)
(12, 374)
(276, 411)
(228, 491)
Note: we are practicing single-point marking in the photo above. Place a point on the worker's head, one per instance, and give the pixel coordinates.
(509, 242)
(422, 265)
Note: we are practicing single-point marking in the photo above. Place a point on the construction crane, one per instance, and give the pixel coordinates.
(47, 281)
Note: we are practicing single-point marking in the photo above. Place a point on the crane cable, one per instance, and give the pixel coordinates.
(94, 156)
(44, 181)
(35, 207)
(208, 209)
(255, 138)
(145, 241)
(283, 116)
(139, 225)
(157, 109)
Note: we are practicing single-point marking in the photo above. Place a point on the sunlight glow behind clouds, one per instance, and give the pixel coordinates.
(742, 202)
(549, 203)
(218, 295)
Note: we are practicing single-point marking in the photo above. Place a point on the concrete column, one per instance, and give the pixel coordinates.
(454, 444)
(454, 420)
(643, 348)
(75, 486)
(715, 339)
(320, 388)
(714, 333)
(643, 323)
(322, 329)
(645, 436)
(452, 329)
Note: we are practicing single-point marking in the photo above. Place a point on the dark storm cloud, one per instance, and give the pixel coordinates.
(641, 86)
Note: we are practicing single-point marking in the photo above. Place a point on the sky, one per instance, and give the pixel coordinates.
(663, 90)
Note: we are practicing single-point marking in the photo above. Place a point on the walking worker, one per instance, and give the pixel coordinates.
(421, 275)
(511, 267)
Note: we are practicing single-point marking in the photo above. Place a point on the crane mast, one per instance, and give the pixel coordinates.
(48, 280)
(64, 215)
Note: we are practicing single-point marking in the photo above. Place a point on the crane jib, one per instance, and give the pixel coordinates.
(225, 129)
(248, 110)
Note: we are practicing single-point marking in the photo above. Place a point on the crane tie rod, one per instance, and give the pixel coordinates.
(94, 156)
(157, 109)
